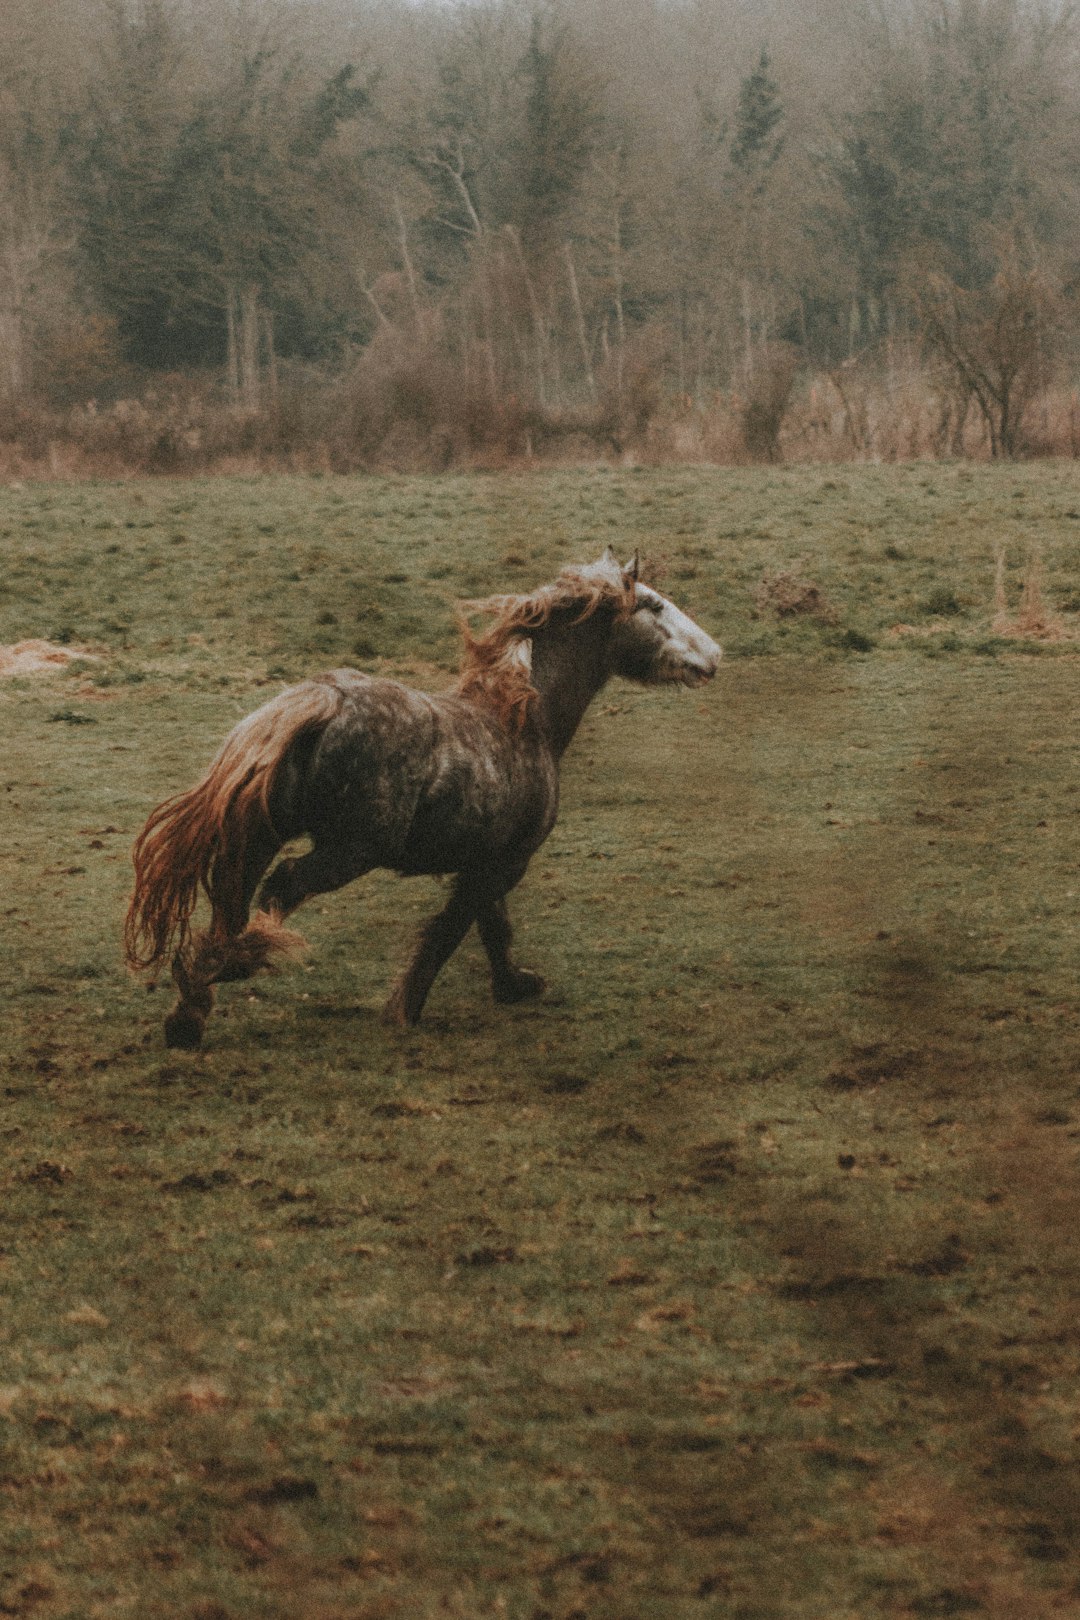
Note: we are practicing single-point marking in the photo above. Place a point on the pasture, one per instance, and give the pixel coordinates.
(737, 1276)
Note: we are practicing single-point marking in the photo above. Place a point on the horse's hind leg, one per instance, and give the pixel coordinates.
(184, 1025)
(230, 949)
(508, 983)
(234, 948)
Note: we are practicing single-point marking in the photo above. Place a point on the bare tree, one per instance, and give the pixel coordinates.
(995, 343)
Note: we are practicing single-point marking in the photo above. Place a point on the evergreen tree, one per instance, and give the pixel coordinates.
(757, 143)
(202, 211)
(945, 159)
(124, 177)
(561, 122)
(250, 181)
(756, 147)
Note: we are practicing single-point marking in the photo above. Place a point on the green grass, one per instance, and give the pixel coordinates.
(736, 1277)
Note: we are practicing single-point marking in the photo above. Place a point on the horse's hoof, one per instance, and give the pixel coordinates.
(396, 1015)
(521, 986)
(183, 1030)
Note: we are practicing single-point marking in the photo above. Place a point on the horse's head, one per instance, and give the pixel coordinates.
(656, 642)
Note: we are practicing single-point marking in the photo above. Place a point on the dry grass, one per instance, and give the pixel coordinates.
(1033, 620)
(405, 408)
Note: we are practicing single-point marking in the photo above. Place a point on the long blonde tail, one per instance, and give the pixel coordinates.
(197, 840)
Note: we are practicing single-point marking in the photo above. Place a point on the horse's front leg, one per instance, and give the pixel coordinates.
(438, 940)
(508, 983)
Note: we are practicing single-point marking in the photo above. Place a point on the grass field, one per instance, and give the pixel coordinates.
(738, 1276)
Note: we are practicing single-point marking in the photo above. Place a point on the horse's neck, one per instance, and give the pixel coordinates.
(569, 667)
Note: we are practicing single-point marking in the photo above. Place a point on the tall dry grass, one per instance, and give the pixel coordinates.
(1033, 619)
(409, 406)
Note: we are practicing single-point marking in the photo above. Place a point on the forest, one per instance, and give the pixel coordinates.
(351, 233)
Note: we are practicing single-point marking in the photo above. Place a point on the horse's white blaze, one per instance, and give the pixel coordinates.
(686, 653)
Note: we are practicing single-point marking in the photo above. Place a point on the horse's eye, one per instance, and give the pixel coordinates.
(649, 604)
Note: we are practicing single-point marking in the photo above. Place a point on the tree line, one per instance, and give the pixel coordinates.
(521, 220)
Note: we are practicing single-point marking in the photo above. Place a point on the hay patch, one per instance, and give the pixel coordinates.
(36, 657)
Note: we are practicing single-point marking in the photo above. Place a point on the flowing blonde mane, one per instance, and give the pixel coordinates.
(497, 664)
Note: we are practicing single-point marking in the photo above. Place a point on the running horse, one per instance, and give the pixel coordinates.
(376, 774)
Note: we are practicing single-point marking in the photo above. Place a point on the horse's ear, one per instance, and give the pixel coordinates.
(521, 654)
(609, 558)
(632, 569)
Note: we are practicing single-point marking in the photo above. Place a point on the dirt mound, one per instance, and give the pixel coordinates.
(788, 595)
(38, 657)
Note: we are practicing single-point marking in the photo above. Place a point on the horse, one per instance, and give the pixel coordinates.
(377, 774)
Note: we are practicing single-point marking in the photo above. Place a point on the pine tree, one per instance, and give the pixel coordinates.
(756, 143)
(756, 146)
(251, 179)
(124, 197)
(561, 121)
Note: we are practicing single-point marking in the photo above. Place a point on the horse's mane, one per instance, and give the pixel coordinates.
(497, 664)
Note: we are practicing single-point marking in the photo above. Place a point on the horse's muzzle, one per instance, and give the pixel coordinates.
(700, 673)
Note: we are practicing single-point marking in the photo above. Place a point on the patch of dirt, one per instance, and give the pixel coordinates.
(35, 657)
(788, 595)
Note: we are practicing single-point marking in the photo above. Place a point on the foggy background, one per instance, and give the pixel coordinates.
(418, 232)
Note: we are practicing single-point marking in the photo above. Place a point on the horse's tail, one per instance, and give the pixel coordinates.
(199, 839)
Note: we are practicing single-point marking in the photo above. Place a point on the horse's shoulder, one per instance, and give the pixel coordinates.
(467, 715)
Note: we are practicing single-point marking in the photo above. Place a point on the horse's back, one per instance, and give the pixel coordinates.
(424, 782)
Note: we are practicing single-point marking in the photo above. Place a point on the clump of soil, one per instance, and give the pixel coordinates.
(789, 596)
